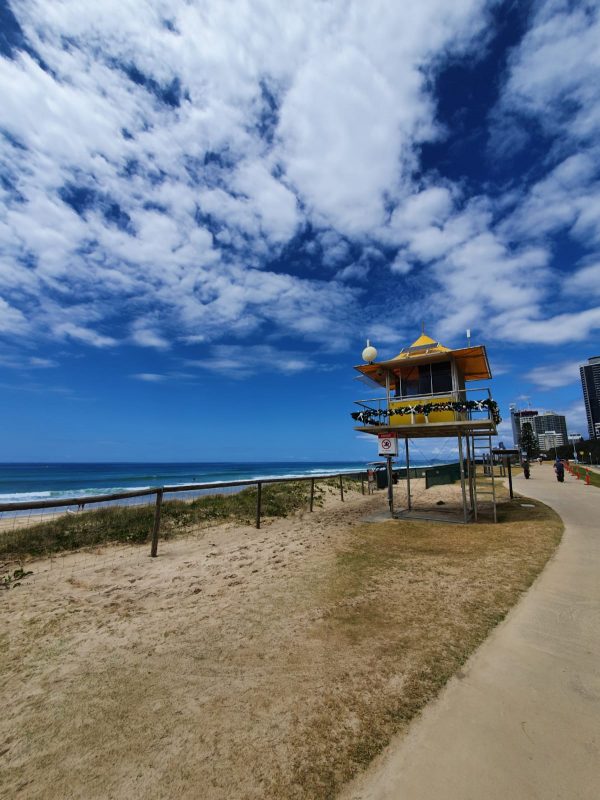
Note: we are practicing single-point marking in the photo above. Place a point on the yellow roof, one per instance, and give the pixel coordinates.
(472, 361)
(422, 346)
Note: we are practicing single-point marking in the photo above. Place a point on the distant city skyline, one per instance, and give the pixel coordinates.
(548, 427)
(205, 211)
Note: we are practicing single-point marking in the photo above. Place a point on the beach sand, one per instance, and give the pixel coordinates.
(240, 663)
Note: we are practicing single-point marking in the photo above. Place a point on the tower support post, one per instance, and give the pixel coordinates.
(390, 482)
(470, 472)
(408, 497)
(462, 477)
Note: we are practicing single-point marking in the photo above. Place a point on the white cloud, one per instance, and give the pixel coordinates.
(157, 169)
(85, 335)
(239, 361)
(149, 377)
(400, 266)
(359, 105)
(353, 272)
(584, 282)
(567, 198)
(42, 363)
(552, 376)
(337, 157)
(336, 249)
(430, 226)
(553, 82)
(521, 326)
(558, 61)
(145, 336)
(11, 319)
(576, 418)
(381, 332)
(150, 171)
(431, 206)
(271, 200)
(501, 368)
(482, 280)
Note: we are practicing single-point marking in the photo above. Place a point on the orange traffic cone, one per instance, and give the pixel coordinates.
(587, 477)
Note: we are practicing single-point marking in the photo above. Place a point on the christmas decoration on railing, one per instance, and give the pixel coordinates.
(370, 416)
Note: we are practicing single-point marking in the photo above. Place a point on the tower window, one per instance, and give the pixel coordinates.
(441, 377)
(425, 379)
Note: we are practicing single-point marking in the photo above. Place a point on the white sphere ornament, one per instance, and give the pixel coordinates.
(369, 354)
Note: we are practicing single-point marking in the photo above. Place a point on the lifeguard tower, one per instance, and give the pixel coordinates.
(426, 397)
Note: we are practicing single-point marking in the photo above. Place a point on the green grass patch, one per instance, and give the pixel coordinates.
(594, 476)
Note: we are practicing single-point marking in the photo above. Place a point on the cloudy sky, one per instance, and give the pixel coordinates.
(207, 207)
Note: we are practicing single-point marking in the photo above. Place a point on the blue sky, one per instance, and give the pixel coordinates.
(205, 209)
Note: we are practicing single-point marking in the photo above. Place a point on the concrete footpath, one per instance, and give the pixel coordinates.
(521, 721)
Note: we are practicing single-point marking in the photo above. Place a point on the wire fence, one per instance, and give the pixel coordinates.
(53, 538)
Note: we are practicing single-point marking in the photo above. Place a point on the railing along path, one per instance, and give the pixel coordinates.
(160, 491)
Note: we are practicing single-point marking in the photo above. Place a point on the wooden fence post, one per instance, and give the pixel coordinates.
(312, 493)
(156, 529)
(258, 500)
(510, 486)
(341, 488)
(362, 482)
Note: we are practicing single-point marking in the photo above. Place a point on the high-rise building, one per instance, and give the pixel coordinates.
(590, 383)
(550, 429)
(549, 440)
(549, 422)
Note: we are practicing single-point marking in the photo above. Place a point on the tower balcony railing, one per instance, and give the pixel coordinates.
(443, 407)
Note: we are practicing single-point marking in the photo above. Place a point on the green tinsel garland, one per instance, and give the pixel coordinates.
(371, 416)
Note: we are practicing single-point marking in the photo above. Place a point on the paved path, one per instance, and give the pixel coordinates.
(522, 719)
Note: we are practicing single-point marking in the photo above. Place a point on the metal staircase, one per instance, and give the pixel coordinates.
(484, 477)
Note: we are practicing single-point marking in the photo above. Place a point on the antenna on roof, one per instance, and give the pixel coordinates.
(468, 337)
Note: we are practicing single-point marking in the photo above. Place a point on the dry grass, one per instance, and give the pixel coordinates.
(252, 664)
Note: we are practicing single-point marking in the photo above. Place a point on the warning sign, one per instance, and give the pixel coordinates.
(388, 446)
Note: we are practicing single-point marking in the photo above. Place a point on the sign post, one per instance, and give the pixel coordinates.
(388, 447)
(390, 477)
(506, 456)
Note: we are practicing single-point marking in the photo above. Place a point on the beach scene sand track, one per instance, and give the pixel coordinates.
(245, 663)
(288, 292)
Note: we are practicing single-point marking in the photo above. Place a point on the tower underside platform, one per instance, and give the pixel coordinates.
(452, 515)
(476, 465)
(433, 430)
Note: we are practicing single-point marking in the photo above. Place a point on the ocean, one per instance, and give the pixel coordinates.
(28, 482)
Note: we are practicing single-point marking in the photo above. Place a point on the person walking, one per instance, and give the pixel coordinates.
(559, 468)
